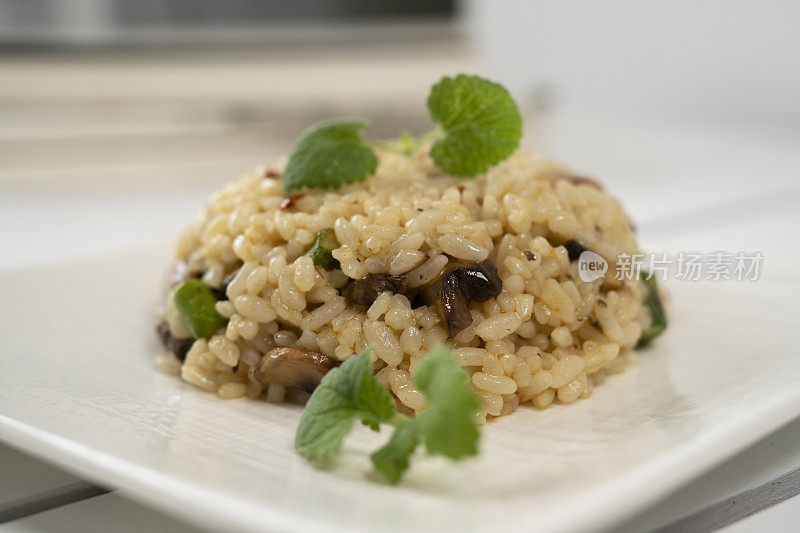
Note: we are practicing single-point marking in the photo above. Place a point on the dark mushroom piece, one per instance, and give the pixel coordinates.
(179, 347)
(363, 292)
(460, 284)
(293, 367)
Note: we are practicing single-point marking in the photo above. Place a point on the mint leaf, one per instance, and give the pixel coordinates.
(481, 122)
(374, 403)
(344, 395)
(447, 424)
(350, 393)
(392, 460)
(328, 155)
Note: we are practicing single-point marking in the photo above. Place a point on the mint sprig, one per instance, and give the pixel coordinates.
(344, 395)
(479, 126)
(349, 393)
(328, 155)
(481, 123)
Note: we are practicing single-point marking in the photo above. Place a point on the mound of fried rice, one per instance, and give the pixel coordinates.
(546, 337)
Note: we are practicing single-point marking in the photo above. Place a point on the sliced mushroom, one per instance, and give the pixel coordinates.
(293, 367)
(460, 284)
(554, 176)
(363, 292)
(179, 347)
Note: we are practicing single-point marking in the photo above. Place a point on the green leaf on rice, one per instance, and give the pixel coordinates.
(328, 155)
(480, 120)
(479, 126)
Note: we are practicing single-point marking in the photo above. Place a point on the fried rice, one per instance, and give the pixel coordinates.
(543, 336)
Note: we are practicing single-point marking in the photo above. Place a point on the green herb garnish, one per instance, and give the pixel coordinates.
(329, 155)
(196, 303)
(349, 393)
(480, 120)
(344, 395)
(658, 318)
(321, 250)
(479, 126)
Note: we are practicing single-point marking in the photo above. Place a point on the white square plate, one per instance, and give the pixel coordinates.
(78, 387)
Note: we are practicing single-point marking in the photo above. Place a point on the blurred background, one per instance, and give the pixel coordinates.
(118, 117)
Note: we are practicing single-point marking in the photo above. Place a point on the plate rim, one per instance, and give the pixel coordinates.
(191, 502)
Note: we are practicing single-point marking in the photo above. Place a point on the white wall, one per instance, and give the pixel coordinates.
(737, 58)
